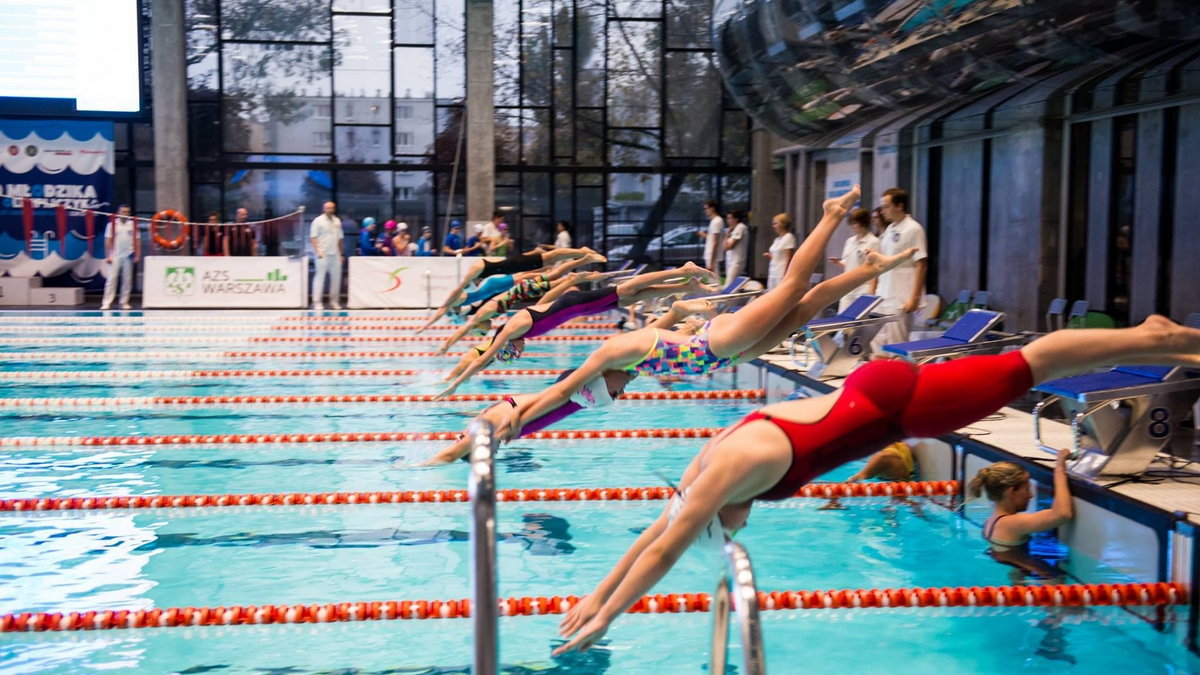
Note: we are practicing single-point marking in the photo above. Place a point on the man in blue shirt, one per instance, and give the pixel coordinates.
(425, 242)
(454, 242)
(366, 237)
(475, 241)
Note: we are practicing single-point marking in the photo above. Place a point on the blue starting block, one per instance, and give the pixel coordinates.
(972, 334)
(842, 341)
(1120, 418)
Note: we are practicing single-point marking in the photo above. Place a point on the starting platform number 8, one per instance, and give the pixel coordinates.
(1160, 425)
(855, 347)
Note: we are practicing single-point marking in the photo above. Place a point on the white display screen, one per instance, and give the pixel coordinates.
(70, 55)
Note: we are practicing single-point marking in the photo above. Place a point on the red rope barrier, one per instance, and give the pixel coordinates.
(187, 355)
(134, 401)
(259, 339)
(339, 437)
(233, 374)
(602, 494)
(1065, 595)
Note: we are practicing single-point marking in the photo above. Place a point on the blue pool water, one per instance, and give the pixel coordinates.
(206, 557)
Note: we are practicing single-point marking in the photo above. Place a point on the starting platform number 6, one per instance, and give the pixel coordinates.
(1160, 423)
(855, 347)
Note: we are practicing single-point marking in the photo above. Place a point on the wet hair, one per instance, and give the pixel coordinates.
(995, 479)
(861, 217)
(899, 197)
(785, 219)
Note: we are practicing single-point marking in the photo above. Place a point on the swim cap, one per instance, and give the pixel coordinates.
(594, 394)
(455, 223)
(403, 227)
(502, 227)
(389, 225)
(368, 221)
(509, 353)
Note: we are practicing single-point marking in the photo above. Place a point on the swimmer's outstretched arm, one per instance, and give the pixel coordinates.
(442, 311)
(615, 354)
(463, 361)
(729, 477)
(517, 326)
(485, 313)
(472, 273)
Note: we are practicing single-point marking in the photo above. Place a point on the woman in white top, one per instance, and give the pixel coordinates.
(857, 247)
(563, 238)
(737, 245)
(781, 249)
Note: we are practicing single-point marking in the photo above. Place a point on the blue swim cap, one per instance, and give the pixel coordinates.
(456, 223)
(368, 221)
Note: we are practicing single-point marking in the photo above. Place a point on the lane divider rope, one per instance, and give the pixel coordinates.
(241, 318)
(179, 440)
(253, 339)
(1059, 595)
(146, 401)
(236, 374)
(228, 355)
(602, 494)
(258, 330)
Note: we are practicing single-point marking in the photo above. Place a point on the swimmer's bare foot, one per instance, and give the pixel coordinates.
(833, 505)
(886, 262)
(697, 306)
(840, 206)
(592, 256)
(1184, 341)
(697, 272)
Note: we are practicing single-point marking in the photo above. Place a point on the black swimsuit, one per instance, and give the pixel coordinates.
(1040, 565)
(522, 262)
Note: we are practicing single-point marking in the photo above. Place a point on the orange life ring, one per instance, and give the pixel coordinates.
(158, 222)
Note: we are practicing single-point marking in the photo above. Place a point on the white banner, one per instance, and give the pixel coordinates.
(192, 281)
(403, 282)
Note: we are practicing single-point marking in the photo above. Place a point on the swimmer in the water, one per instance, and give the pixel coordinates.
(522, 262)
(509, 340)
(759, 326)
(774, 451)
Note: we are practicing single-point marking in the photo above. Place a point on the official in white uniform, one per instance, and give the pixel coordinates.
(326, 237)
(122, 248)
(737, 245)
(855, 251)
(781, 250)
(902, 288)
(712, 237)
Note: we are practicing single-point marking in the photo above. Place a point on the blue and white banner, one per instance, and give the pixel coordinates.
(51, 163)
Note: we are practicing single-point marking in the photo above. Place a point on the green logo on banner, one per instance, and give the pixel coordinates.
(180, 281)
(276, 275)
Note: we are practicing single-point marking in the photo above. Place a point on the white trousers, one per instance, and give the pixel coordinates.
(122, 267)
(893, 332)
(328, 265)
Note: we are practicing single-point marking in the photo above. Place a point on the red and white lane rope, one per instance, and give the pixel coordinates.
(599, 494)
(254, 330)
(218, 317)
(317, 399)
(1065, 595)
(259, 339)
(135, 375)
(186, 440)
(230, 355)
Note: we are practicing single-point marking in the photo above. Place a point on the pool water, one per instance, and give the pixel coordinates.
(80, 561)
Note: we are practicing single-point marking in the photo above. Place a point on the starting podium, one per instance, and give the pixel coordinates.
(842, 341)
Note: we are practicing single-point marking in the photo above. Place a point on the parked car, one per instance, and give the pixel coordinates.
(674, 247)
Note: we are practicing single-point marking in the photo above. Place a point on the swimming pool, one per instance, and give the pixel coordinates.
(64, 561)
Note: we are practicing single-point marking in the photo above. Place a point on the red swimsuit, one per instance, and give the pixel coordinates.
(886, 401)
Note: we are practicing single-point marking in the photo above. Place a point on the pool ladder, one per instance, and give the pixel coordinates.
(737, 591)
(481, 489)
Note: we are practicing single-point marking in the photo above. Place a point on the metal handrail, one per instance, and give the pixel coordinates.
(738, 575)
(481, 488)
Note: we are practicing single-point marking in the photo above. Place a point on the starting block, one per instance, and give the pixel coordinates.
(970, 335)
(1120, 418)
(842, 341)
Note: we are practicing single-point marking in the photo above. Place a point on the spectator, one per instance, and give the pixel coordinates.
(737, 245)
(475, 243)
(123, 249)
(239, 237)
(712, 237)
(563, 237)
(328, 246)
(854, 252)
(453, 244)
(781, 249)
(425, 242)
(491, 231)
(877, 222)
(502, 243)
(384, 241)
(402, 243)
(901, 288)
(212, 239)
(367, 236)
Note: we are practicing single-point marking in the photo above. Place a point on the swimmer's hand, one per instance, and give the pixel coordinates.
(441, 351)
(589, 635)
(446, 392)
(510, 427)
(833, 505)
(584, 611)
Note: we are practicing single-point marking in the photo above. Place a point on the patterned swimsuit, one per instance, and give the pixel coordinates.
(526, 291)
(690, 357)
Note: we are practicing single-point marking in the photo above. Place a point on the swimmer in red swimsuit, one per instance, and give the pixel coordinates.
(774, 451)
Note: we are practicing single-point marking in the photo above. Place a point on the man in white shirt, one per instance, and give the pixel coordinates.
(563, 238)
(902, 288)
(326, 237)
(121, 241)
(491, 231)
(712, 237)
(737, 244)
